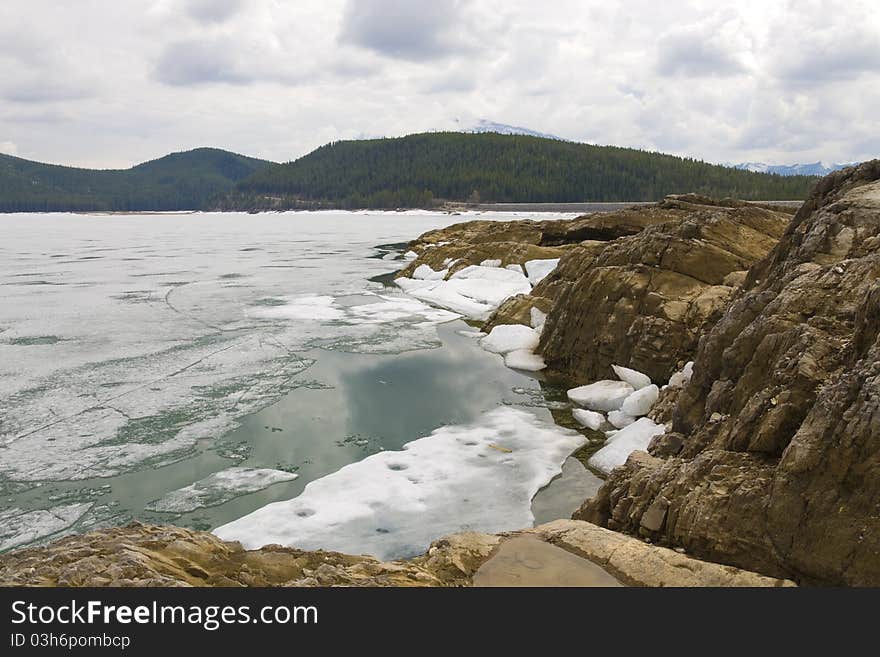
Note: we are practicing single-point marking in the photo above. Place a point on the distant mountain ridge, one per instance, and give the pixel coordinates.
(814, 169)
(190, 180)
(499, 164)
(417, 170)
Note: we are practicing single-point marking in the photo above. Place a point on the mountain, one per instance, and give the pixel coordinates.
(814, 169)
(190, 180)
(504, 129)
(489, 167)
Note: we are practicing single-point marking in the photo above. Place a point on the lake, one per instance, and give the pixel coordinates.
(193, 368)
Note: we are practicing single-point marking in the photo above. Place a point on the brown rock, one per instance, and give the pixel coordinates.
(780, 467)
(147, 555)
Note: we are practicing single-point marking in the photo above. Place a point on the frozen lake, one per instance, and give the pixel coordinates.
(193, 368)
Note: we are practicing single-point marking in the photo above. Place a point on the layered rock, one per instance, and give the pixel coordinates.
(773, 462)
(146, 555)
(644, 300)
(636, 286)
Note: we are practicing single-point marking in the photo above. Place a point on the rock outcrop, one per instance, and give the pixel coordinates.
(146, 555)
(773, 462)
(644, 300)
(636, 286)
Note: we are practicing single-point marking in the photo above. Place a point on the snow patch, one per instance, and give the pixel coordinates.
(682, 378)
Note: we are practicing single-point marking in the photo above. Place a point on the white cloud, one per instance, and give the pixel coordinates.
(107, 84)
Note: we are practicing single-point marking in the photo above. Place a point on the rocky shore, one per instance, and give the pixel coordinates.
(767, 456)
(723, 358)
(146, 555)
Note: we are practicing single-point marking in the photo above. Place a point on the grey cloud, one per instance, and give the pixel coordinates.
(416, 30)
(845, 61)
(212, 11)
(689, 54)
(190, 63)
(45, 91)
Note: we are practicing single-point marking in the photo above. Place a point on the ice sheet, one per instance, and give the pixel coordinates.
(218, 488)
(18, 527)
(478, 477)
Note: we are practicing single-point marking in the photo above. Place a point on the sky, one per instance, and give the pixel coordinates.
(104, 83)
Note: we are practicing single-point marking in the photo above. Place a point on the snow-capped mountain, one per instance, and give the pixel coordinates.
(814, 169)
(484, 125)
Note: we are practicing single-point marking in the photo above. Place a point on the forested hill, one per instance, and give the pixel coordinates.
(413, 170)
(191, 180)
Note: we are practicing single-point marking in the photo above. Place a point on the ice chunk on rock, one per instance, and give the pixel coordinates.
(219, 488)
(478, 477)
(472, 291)
(682, 378)
(588, 419)
(636, 436)
(426, 273)
(410, 255)
(490, 263)
(505, 338)
(523, 359)
(636, 379)
(517, 268)
(602, 396)
(537, 318)
(640, 402)
(620, 419)
(537, 270)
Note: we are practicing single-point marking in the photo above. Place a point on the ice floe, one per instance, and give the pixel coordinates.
(538, 270)
(490, 263)
(505, 338)
(473, 291)
(18, 527)
(308, 306)
(478, 477)
(426, 273)
(524, 359)
(640, 402)
(219, 488)
(621, 444)
(602, 396)
(636, 379)
(588, 419)
(620, 419)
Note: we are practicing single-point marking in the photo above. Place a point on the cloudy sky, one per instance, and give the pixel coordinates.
(106, 83)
